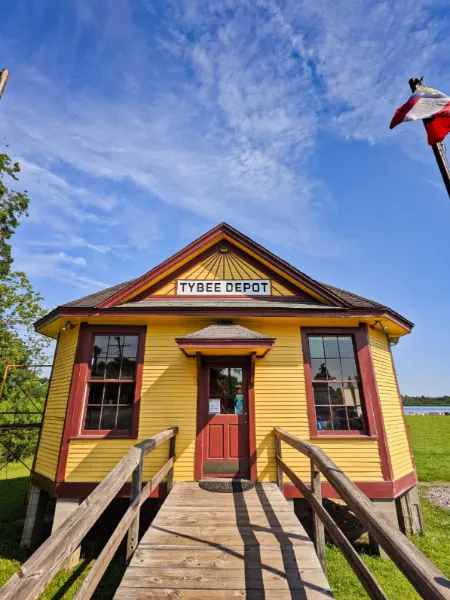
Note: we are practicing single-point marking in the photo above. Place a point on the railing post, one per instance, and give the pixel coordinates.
(279, 469)
(319, 531)
(133, 532)
(171, 455)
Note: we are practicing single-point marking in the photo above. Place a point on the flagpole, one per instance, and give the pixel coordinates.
(3, 79)
(438, 149)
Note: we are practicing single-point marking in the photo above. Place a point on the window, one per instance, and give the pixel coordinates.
(336, 383)
(111, 383)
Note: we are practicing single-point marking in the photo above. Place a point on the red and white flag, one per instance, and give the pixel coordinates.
(426, 103)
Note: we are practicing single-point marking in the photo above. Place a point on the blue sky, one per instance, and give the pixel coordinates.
(141, 124)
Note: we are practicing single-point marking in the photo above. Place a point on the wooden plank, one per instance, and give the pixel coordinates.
(319, 531)
(230, 509)
(279, 471)
(214, 579)
(207, 519)
(130, 593)
(230, 558)
(425, 577)
(133, 531)
(171, 455)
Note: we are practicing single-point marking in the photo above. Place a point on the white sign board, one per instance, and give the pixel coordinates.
(214, 406)
(224, 287)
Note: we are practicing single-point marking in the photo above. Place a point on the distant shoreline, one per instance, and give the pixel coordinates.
(426, 405)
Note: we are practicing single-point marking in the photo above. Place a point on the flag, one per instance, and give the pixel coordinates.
(426, 103)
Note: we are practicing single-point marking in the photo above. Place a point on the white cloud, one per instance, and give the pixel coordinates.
(56, 266)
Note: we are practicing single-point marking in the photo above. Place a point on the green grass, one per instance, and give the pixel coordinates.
(430, 437)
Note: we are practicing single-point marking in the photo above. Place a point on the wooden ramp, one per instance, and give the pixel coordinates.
(205, 544)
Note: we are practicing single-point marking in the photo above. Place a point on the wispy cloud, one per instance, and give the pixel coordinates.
(59, 266)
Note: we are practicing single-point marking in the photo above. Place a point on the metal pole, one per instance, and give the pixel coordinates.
(3, 79)
(438, 149)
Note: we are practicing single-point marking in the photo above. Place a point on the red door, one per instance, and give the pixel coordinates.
(225, 418)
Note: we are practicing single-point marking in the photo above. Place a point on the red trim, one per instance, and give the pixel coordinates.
(199, 442)
(88, 340)
(372, 489)
(365, 382)
(372, 407)
(383, 448)
(237, 345)
(218, 233)
(198, 464)
(71, 403)
(252, 420)
(70, 489)
(75, 405)
(343, 435)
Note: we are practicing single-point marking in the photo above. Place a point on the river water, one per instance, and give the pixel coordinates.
(426, 409)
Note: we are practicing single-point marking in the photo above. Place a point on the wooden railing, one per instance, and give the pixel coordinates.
(38, 571)
(428, 581)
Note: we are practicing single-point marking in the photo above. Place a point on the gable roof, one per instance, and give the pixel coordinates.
(225, 330)
(121, 295)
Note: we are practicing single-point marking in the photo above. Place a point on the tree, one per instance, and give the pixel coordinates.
(20, 307)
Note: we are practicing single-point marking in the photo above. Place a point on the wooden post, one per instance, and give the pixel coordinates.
(133, 533)
(438, 149)
(171, 455)
(319, 531)
(3, 79)
(279, 469)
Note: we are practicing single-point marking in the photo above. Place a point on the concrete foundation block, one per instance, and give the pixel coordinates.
(388, 507)
(63, 510)
(410, 513)
(34, 520)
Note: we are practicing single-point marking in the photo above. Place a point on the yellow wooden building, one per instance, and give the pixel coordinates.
(224, 340)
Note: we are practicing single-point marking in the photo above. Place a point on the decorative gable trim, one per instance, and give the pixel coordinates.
(242, 242)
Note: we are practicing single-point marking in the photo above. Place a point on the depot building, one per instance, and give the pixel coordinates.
(226, 341)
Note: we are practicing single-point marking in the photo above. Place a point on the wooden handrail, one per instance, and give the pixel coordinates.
(425, 577)
(38, 571)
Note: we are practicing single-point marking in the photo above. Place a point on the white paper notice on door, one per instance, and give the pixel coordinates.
(214, 406)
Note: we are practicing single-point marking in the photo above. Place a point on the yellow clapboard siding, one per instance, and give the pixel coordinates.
(52, 428)
(169, 397)
(390, 404)
(223, 266)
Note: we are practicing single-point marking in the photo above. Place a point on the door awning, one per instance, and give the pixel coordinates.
(225, 338)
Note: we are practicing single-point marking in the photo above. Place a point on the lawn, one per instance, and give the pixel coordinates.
(431, 444)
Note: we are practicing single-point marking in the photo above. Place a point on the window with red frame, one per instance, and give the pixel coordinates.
(111, 383)
(336, 382)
